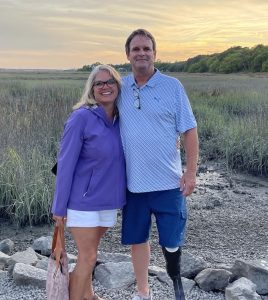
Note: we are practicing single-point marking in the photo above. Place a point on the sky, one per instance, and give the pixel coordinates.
(68, 34)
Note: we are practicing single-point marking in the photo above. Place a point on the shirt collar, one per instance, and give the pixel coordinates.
(151, 82)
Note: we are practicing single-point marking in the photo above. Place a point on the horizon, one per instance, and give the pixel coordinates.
(75, 69)
(64, 36)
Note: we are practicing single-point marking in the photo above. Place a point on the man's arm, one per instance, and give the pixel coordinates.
(191, 146)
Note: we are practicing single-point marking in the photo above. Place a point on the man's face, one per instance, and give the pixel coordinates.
(141, 54)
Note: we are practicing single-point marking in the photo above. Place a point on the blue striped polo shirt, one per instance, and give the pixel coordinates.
(149, 133)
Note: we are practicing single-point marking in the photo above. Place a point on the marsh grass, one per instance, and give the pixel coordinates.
(33, 112)
(232, 115)
(231, 112)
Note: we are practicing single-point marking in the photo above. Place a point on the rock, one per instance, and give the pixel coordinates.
(160, 273)
(187, 284)
(162, 276)
(6, 246)
(241, 289)
(3, 260)
(42, 264)
(39, 256)
(256, 271)
(227, 267)
(27, 257)
(71, 258)
(43, 245)
(24, 274)
(224, 266)
(104, 257)
(155, 271)
(115, 275)
(191, 265)
(213, 279)
(71, 267)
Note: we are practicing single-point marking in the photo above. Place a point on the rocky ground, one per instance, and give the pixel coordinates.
(227, 220)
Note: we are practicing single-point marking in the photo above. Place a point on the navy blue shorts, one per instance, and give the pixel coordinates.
(170, 211)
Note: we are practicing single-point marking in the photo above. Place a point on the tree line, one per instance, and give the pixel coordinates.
(233, 60)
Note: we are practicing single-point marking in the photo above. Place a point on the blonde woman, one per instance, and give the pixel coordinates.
(91, 183)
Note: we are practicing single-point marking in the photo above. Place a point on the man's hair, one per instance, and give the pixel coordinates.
(143, 32)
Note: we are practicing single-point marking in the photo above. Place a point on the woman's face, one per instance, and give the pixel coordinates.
(105, 88)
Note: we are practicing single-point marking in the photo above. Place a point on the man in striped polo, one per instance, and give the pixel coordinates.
(154, 111)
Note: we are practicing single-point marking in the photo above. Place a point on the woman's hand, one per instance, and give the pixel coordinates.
(59, 220)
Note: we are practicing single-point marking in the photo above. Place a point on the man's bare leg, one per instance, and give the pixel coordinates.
(141, 261)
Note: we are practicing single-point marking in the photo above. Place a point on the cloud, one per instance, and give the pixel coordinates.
(91, 30)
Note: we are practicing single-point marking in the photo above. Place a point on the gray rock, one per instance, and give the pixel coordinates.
(71, 258)
(155, 271)
(256, 271)
(3, 260)
(224, 266)
(43, 245)
(71, 267)
(24, 274)
(188, 284)
(213, 279)
(6, 246)
(104, 257)
(27, 257)
(42, 264)
(160, 273)
(39, 256)
(115, 275)
(227, 267)
(241, 289)
(162, 276)
(191, 265)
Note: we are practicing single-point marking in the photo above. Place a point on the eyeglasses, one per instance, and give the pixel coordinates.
(137, 100)
(100, 84)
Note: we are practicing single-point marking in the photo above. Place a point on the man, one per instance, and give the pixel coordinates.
(154, 111)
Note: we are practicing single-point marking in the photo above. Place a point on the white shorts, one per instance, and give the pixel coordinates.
(103, 218)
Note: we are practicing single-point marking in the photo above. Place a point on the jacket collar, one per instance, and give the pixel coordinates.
(99, 111)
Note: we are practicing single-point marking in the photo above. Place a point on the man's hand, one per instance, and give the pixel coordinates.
(187, 183)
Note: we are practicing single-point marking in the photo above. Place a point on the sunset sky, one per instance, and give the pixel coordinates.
(72, 33)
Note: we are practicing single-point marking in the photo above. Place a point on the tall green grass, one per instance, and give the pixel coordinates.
(232, 115)
(231, 111)
(31, 119)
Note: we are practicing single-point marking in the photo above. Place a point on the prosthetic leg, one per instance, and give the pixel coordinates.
(173, 263)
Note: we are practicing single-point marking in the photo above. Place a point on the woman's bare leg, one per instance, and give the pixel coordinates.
(87, 241)
(89, 288)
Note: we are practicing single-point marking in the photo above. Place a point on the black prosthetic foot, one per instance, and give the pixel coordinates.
(178, 288)
(173, 262)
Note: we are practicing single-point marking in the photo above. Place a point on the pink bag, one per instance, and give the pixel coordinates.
(57, 285)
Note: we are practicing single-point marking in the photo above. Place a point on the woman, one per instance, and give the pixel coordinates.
(90, 184)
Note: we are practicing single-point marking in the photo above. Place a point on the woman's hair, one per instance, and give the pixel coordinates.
(88, 94)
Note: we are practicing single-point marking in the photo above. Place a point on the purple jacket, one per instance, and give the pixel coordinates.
(91, 167)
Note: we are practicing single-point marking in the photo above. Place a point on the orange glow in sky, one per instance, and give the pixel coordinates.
(69, 34)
